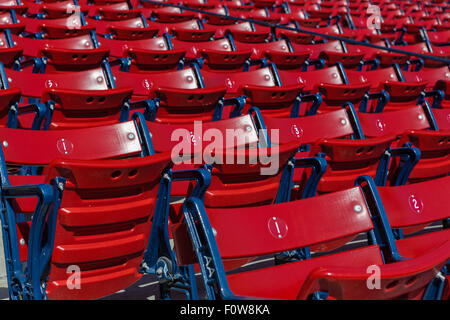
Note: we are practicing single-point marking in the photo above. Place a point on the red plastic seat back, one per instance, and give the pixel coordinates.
(20, 9)
(9, 55)
(129, 29)
(75, 60)
(298, 37)
(60, 28)
(318, 48)
(129, 33)
(430, 143)
(287, 60)
(435, 153)
(120, 48)
(311, 79)
(66, 54)
(259, 49)
(169, 27)
(337, 94)
(218, 20)
(271, 97)
(184, 34)
(431, 76)
(404, 91)
(348, 60)
(6, 23)
(307, 23)
(103, 224)
(172, 15)
(250, 36)
(61, 9)
(267, 229)
(193, 50)
(114, 14)
(225, 60)
(389, 58)
(376, 78)
(59, 32)
(33, 47)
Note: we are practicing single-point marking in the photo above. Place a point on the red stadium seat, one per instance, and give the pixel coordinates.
(435, 153)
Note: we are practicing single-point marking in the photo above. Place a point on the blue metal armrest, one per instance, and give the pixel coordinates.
(27, 283)
(316, 100)
(261, 63)
(238, 102)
